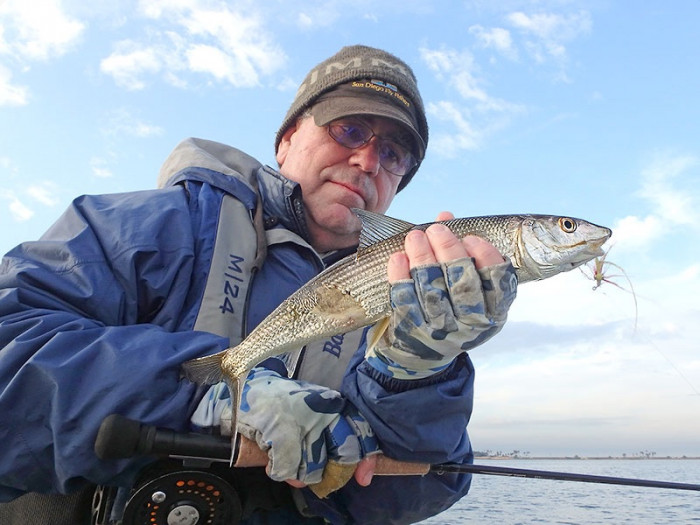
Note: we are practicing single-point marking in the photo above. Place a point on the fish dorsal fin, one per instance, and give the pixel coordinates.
(377, 227)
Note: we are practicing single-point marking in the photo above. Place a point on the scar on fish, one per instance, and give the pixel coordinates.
(334, 303)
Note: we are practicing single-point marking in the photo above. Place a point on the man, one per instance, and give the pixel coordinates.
(98, 316)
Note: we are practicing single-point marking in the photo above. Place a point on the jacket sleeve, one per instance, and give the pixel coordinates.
(87, 320)
(423, 420)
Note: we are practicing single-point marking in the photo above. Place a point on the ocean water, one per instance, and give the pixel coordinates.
(515, 501)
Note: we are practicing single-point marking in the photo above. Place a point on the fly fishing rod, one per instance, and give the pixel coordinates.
(120, 437)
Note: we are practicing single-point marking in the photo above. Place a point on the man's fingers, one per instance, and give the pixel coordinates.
(418, 252)
(398, 268)
(484, 253)
(418, 249)
(445, 216)
(444, 244)
(365, 470)
(296, 483)
(439, 244)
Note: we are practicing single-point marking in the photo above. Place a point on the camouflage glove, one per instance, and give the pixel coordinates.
(302, 426)
(214, 410)
(445, 309)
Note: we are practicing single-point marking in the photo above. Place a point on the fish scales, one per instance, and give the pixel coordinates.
(354, 292)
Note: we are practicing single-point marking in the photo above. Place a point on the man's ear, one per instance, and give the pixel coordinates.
(285, 142)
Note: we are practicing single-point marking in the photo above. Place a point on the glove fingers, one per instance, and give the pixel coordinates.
(466, 289)
(302, 426)
(500, 284)
(433, 298)
(444, 310)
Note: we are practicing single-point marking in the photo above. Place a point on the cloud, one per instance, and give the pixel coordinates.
(478, 116)
(465, 137)
(547, 33)
(569, 354)
(496, 38)
(200, 37)
(21, 201)
(637, 233)
(11, 95)
(322, 15)
(318, 14)
(44, 193)
(37, 30)
(666, 185)
(120, 122)
(29, 32)
(129, 62)
(670, 202)
(19, 211)
(100, 169)
(457, 68)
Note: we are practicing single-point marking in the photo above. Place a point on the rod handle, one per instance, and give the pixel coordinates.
(250, 455)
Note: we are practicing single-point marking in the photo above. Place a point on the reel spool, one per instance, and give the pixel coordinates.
(188, 497)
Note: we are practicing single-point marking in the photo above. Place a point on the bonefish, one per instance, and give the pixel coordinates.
(354, 292)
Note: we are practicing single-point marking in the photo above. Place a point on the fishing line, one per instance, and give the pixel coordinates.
(597, 274)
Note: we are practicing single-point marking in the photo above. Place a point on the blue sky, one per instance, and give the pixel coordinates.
(582, 108)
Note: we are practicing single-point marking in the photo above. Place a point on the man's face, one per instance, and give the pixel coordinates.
(334, 179)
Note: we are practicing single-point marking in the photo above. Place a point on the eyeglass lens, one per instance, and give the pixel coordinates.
(353, 134)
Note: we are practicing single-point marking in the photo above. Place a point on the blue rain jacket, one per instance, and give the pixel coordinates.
(96, 318)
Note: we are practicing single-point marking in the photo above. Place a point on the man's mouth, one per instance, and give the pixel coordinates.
(352, 189)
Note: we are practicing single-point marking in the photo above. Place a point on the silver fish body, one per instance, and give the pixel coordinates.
(354, 292)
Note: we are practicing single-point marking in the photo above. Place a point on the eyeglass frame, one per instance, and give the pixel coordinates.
(362, 124)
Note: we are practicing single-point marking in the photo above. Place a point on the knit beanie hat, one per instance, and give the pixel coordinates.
(361, 80)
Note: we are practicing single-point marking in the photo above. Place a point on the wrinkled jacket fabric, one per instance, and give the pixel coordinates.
(97, 316)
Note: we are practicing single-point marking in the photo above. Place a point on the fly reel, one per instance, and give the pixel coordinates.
(187, 497)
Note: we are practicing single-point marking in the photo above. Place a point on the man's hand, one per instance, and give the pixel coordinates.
(448, 296)
(306, 429)
(439, 245)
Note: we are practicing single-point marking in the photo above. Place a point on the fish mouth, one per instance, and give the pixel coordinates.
(592, 248)
(595, 246)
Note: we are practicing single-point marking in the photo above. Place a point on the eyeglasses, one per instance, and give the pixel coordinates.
(393, 157)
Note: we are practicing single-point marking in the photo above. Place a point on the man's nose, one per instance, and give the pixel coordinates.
(367, 157)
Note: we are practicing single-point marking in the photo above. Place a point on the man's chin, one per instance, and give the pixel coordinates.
(339, 227)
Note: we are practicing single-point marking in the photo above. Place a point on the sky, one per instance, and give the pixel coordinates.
(584, 108)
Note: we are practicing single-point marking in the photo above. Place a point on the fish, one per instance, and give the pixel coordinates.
(354, 292)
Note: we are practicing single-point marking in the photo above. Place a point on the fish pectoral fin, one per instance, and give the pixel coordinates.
(377, 333)
(204, 370)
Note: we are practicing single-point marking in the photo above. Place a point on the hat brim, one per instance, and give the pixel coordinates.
(330, 109)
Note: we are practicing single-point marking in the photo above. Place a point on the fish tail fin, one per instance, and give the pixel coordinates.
(235, 387)
(205, 370)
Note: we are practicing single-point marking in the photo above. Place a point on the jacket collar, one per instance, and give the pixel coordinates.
(282, 202)
(284, 206)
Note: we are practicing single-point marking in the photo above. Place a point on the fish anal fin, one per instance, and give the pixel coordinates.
(205, 370)
(377, 332)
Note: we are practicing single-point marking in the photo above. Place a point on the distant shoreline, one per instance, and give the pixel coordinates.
(577, 457)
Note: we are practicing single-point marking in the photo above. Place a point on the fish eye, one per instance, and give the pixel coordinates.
(568, 225)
